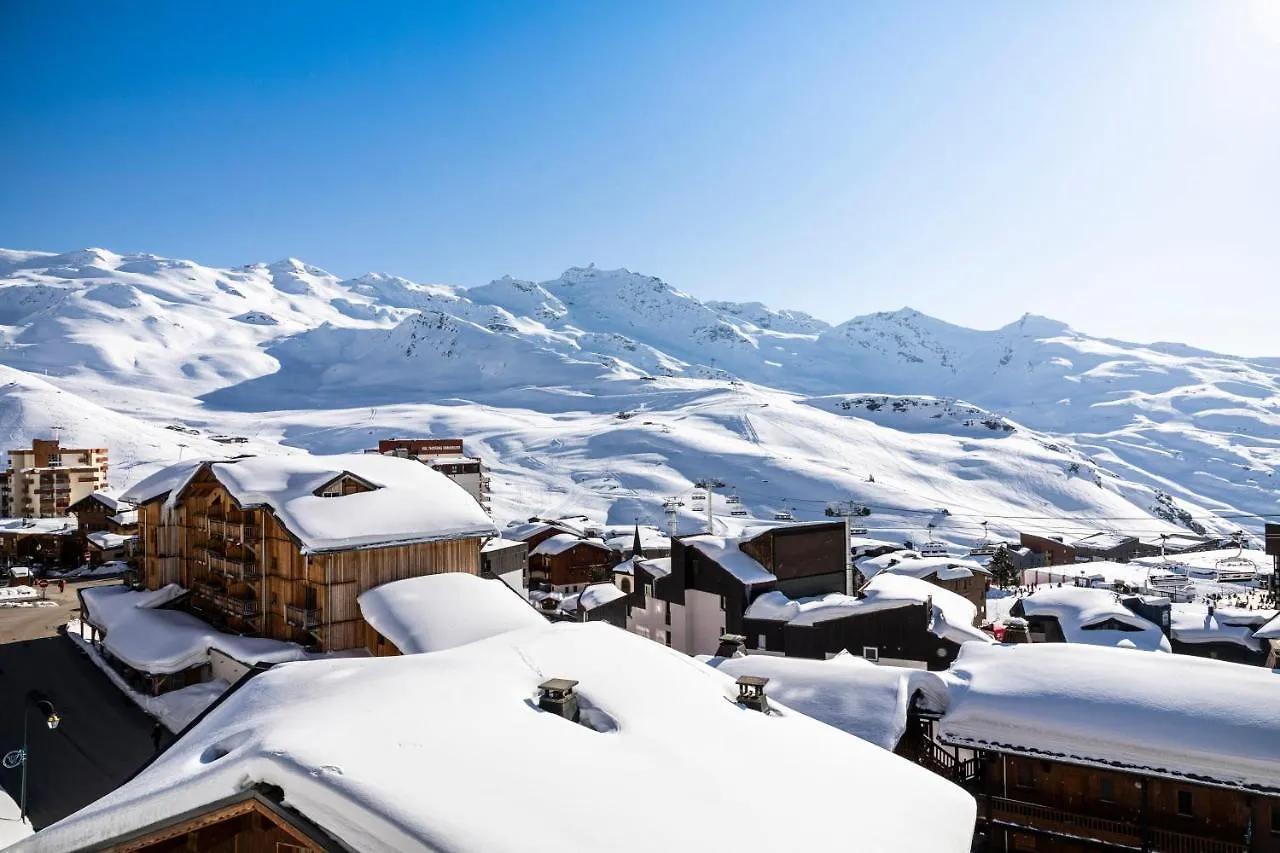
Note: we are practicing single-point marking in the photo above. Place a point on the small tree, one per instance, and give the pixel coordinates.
(1003, 570)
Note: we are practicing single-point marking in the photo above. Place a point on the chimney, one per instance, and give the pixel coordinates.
(1017, 630)
(555, 696)
(751, 693)
(731, 646)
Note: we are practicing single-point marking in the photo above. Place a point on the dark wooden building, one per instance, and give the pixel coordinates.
(567, 563)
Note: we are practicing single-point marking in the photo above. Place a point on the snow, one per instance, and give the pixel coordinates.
(1100, 573)
(735, 561)
(22, 592)
(1205, 563)
(909, 563)
(56, 526)
(1077, 608)
(1269, 631)
(436, 612)
(953, 615)
(561, 542)
(650, 540)
(1173, 716)
(166, 641)
(499, 544)
(1193, 623)
(864, 699)
(659, 567)
(175, 709)
(354, 763)
(12, 828)
(107, 541)
(598, 595)
(409, 502)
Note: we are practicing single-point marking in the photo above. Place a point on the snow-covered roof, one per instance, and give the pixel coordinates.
(1269, 631)
(659, 567)
(1102, 541)
(532, 528)
(854, 695)
(499, 544)
(650, 539)
(946, 568)
(1193, 623)
(1174, 716)
(165, 641)
(410, 502)
(162, 482)
(106, 541)
(727, 554)
(436, 612)
(561, 542)
(1099, 573)
(953, 615)
(110, 501)
(598, 595)
(54, 526)
(1078, 608)
(402, 757)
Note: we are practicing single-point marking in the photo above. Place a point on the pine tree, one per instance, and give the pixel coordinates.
(1003, 570)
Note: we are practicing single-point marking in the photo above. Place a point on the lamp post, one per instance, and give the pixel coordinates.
(18, 757)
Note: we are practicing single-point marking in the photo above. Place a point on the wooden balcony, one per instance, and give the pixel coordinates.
(1015, 813)
(301, 617)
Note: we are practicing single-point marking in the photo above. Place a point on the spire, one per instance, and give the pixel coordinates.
(636, 550)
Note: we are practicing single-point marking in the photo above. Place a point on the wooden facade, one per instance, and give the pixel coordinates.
(1033, 803)
(573, 568)
(806, 559)
(248, 573)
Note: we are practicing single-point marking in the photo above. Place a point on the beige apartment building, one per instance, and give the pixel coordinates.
(43, 481)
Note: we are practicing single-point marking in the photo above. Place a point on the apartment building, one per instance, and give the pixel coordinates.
(445, 455)
(43, 481)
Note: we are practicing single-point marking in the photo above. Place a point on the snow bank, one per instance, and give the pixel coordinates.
(735, 561)
(864, 699)
(409, 502)
(437, 612)
(1174, 716)
(1079, 609)
(402, 756)
(12, 828)
(166, 641)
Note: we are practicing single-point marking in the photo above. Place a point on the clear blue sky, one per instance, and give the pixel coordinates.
(1114, 165)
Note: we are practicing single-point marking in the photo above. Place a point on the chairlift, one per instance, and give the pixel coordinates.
(732, 499)
(933, 548)
(699, 496)
(783, 515)
(858, 531)
(738, 512)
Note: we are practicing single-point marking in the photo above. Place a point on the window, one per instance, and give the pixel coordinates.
(871, 653)
(648, 590)
(624, 584)
(1026, 771)
(1107, 789)
(1185, 804)
(667, 611)
(722, 602)
(331, 492)
(762, 642)
(666, 637)
(1275, 820)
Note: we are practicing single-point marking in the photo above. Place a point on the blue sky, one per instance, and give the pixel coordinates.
(1113, 165)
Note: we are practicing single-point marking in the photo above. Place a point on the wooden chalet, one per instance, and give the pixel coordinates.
(261, 558)
(567, 563)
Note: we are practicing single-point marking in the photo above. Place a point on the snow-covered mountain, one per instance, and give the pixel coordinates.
(606, 391)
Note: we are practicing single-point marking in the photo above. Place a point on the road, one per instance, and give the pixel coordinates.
(102, 738)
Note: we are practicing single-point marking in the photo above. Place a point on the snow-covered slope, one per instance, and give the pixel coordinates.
(606, 391)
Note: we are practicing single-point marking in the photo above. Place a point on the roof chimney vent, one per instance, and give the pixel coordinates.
(555, 695)
(731, 646)
(751, 693)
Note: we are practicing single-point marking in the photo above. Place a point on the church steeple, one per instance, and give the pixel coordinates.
(636, 550)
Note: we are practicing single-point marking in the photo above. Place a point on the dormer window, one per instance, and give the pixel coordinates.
(345, 483)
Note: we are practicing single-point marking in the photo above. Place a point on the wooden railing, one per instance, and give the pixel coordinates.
(1123, 833)
(301, 617)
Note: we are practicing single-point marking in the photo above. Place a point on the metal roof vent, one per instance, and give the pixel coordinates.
(555, 695)
(751, 693)
(730, 646)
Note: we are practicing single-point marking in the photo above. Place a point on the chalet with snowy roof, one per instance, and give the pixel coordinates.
(47, 541)
(1099, 617)
(966, 578)
(1092, 748)
(107, 527)
(403, 758)
(282, 546)
(598, 602)
(895, 619)
(508, 561)
(566, 563)
(652, 542)
(1221, 632)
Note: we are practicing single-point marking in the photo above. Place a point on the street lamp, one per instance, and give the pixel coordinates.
(18, 757)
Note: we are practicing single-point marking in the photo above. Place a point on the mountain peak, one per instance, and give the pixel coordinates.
(1038, 326)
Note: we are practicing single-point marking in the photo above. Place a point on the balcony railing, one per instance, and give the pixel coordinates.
(243, 607)
(301, 617)
(1047, 819)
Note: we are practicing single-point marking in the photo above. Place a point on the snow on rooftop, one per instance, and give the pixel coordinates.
(561, 542)
(1175, 716)
(598, 595)
(735, 561)
(1269, 631)
(1080, 609)
(1193, 623)
(1101, 541)
(909, 563)
(166, 641)
(650, 539)
(658, 568)
(856, 696)
(162, 482)
(499, 544)
(402, 757)
(1099, 573)
(436, 612)
(106, 541)
(410, 502)
(53, 526)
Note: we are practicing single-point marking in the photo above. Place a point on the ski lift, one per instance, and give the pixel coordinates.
(733, 499)
(1236, 567)
(783, 515)
(738, 512)
(933, 548)
(857, 531)
(699, 496)
(983, 548)
(672, 504)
